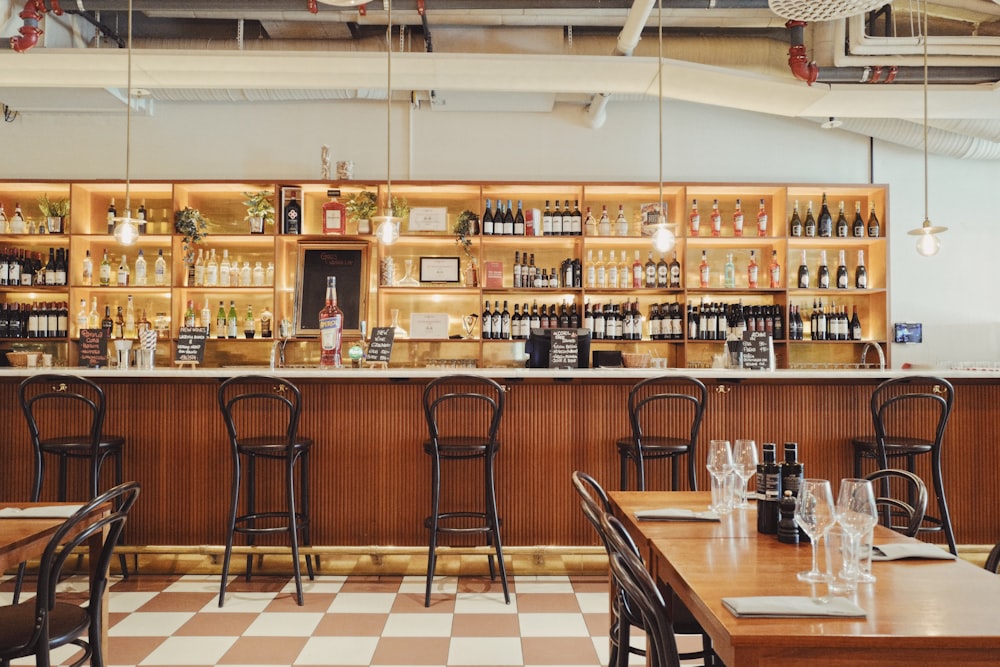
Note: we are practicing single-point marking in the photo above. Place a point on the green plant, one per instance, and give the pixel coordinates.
(362, 205)
(53, 208)
(464, 229)
(259, 206)
(400, 207)
(190, 223)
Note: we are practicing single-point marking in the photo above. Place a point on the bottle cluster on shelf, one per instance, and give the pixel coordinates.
(737, 226)
(825, 227)
(18, 224)
(729, 272)
(615, 274)
(527, 276)
(211, 271)
(828, 323)
(501, 324)
(141, 218)
(121, 274)
(551, 221)
(27, 268)
(728, 321)
(40, 319)
(841, 278)
(228, 323)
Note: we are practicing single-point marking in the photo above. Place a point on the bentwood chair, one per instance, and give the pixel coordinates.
(65, 417)
(905, 411)
(262, 413)
(665, 415)
(891, 488)
(48, 621)
(993, 560)
(463, 414)
(624, 612)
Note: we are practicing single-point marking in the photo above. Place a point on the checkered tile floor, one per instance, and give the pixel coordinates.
(354, 620)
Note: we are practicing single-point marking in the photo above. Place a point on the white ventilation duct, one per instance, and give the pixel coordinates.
(940, 141)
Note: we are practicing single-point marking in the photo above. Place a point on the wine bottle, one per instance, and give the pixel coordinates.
(716, 219)
(487, 321)
(843, 229)
(88, 269)
(752, 271)
(809, 228)
(874, 228)
(220, 321)
(141, 215)
(855, 325)
(112, 214)
(738, 219)
(858, 226)
(675, 272)
(496, 332)
(650, 271)
(768, 490)
(775, 271)
(621, 222)
(124, 272)
(824, 224)
(519, 220)
(704, 272)
(232, 321)
(108, 324)
(662, 273)
(488, 227)
(50, 268)
(824, 272)
(803, 272)
(291, 216)
(694, 220)
(795, 224)
(761, 220)
(576, 220)
(729, 272)
(611, 272)
(331, 326)
(861, 273)
(841, 271)
(590, 222)
(557, 220)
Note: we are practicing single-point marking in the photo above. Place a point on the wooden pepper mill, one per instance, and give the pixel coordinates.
(788, 532)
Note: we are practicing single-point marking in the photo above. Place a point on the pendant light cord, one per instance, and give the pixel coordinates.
(926, 78)
(388, 108)
(659, 80)
(128, 116)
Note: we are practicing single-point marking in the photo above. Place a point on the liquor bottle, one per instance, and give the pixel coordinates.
(211, 270)
(638, 272)
(143, 325)
(206, 316)
(795, 224)
(590, 222)
(874, 229)
(200, 266)
(93, 317)
(128, 330)
(650, 271)
(488, 226)
(729, 272)
(220, 321)
(775, 271)
(843, 229)
(604, 225)
(694, 220)
(4, 222)
(576, 220)
(249, 324)
(738, 219)
(809, 228)
(257, 275)
(265, 322)
(824, 271)
(50, 268)
(675, 272)
(855, 325)
(123, 272)
(662, 273)
(487, 321)
(508, 220)
(269, 274)
(17, 224)
(611, 272)
(535, 321)
(791, 470)
(112, 214)
(141, 215)
(600, 271)
(88, 269)
(331, 324)
(752, 271)
(703, 270)
(768, 486)
(621, 222)
(108, 324)
(761, 220)
(291, 217)
(189, 317)
(505, 332)
(160, 269)
(334, 215)
(547, 219)
(140, 270)
(803, 272)
(858, 227)
(519, 220)
(861, 273)
(225, 269)
(824, 225)
(232, 321)
(716, 219)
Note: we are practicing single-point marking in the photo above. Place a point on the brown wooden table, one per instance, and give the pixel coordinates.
(24, 538)
(919, 612)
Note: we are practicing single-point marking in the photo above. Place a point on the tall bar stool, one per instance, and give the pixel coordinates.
(463, 414)
(652, 405)
(262, 413)
(65, 417)
(923, 395)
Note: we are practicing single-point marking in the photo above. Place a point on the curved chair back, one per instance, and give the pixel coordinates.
(50, 399)
(591, 491)
(658, 402)
(924, 394)
(464, 408)
(892, 487)
(260, 409)
(993, 560)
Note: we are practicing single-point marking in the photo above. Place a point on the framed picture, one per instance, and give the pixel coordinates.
(439, 269)
(348, 261)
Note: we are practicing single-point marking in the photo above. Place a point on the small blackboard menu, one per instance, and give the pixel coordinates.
(190, 345)
(757, 351)
(563, 352)
(380, 345)
(93, 348)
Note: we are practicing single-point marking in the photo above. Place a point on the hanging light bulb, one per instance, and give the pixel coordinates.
(663, 237)
(126, 229)
(387, 228)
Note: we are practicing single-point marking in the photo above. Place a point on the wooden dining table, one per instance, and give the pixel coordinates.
(25, 537)
(928, 612)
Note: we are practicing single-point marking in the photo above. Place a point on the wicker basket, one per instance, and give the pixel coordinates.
(636, 359)
(19, 359)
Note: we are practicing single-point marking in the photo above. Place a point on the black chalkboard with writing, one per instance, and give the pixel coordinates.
(93, 348)
(564, 352)
(757, 351)
(190, 345)
(380, 345)
(348, 262)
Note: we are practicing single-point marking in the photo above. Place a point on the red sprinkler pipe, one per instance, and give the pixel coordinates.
(30, 32)
(802, 68)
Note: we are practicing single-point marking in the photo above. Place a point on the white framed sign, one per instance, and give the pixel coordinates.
(439, 269)
(428, 219)
(429, 325)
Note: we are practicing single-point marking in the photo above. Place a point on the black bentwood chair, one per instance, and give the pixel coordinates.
(993, 560)
(929, 401)
(37, 626)
(262, 419)
(463, 414)
(891, 487)
(52, 401)
(652, 405)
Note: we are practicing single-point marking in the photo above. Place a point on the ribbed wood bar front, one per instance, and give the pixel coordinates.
(371, 480)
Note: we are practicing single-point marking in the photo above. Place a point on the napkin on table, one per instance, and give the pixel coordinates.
(900, 550)
(40, 512)
(777, 606)
(675, 514)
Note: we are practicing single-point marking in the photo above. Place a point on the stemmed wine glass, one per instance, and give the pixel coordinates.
(720, 466)
(857, 514)
(814, 514)
(745, 467)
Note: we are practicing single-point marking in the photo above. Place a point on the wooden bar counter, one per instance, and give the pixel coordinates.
(370, 481)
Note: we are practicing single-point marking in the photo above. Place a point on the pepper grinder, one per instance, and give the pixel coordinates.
(788, 532)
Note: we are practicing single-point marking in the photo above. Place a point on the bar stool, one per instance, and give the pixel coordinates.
(652, 404)
(262, 413)
(65, 417)
(929, 399)
(463, 414)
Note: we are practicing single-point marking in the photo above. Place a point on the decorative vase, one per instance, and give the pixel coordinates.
(256, 224)
(55, 224)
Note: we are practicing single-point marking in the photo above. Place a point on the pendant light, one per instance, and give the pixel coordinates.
(126, 228)
(928, 243)
(387, 225)
(663, 236)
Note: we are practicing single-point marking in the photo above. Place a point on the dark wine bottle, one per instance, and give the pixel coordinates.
(810, 224)
(874, 228)
(768, 488)
(508, 220)
(803, 272)
(291, 216)
(858, 227)
(824, 272)
(841, 271)
(861, 273)
(519, 220)
(795, 224)
(843, 229)
(855, 325)
(488, 220)
(486, 321)
(824, 223)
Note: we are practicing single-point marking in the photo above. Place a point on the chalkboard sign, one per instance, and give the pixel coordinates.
(93, 348)
(380, 345)
(757, 351)
(348, 262)
(564, 352)
(191, 345)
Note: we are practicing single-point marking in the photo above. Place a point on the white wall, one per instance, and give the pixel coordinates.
(950, 293)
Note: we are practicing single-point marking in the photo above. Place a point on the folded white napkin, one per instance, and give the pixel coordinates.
(900, 550)
(792, 605)
(675, 514)
(40, 512)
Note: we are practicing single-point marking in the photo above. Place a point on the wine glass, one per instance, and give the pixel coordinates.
(720, 466)
(745, 467)
(857, 514)
(814, 514)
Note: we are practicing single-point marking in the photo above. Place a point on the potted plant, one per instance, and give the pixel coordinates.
(361, 208)
(467, 227)
(189, 223)
(400, 207)
(55, 212)
(260, 210)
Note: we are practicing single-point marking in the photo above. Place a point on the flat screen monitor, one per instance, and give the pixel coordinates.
(908, 332)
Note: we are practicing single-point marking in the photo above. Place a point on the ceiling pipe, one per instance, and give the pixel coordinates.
(30, 32)
(800, 65)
